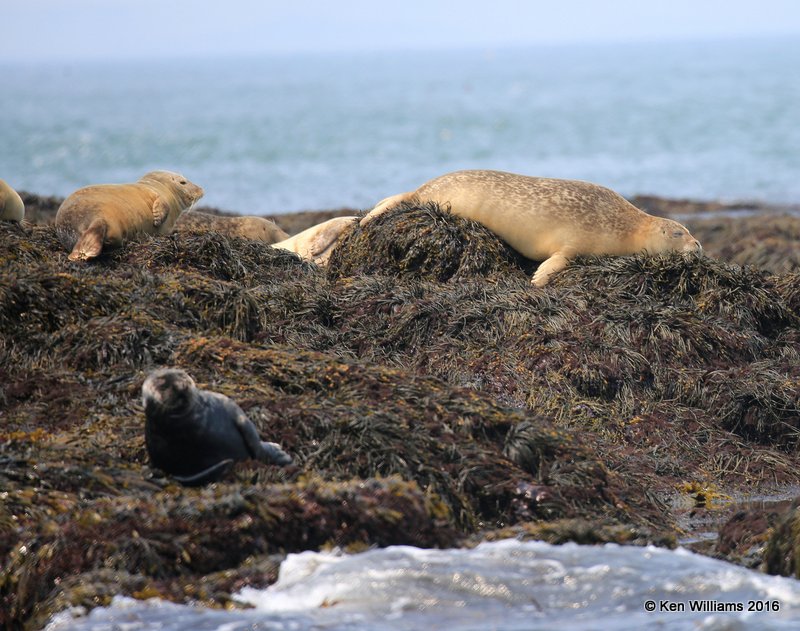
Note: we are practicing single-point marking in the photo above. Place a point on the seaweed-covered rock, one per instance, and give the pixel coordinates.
(767, 241)
(743, 538)
(428, 393)
(423, 241)
(782, 555)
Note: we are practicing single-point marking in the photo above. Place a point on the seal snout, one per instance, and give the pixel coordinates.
(693, 245)
(195, 192)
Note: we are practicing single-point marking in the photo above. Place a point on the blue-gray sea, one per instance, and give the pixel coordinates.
(703, 120)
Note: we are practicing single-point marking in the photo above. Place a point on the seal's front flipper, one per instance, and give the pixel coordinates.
(160, 212)
(274, 454)
(213, 473)
(90, 243)
(554, 264)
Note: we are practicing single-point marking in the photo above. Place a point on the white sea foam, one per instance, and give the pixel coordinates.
(507, 585)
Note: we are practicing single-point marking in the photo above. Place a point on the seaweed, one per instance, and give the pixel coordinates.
(428, 394)
(782, 554)
(423, 241)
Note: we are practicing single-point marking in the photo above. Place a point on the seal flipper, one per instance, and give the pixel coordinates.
(275, 454)
(327, 238)
(323, 243)
(258, 449)
(548, 267)
(160, 212)
(213, 473)
(387, 204)
(90, 243)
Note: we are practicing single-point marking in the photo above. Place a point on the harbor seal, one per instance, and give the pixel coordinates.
(317, 242)
(248, 227)
(106, 215)
(547, 219)
(11, 206)
(196, 435)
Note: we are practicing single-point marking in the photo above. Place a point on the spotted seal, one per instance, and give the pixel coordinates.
(547, 219)
(248, 227)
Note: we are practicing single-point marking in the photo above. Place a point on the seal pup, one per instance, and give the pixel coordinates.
(317, 242)
(196, 435)
(248, 226)
(547, 219)
(11, 206)
(106, 215)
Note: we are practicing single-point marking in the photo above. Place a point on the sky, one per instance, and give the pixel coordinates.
(125, 29)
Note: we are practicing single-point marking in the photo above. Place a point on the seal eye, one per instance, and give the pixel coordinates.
(183, 182)
(677, 234)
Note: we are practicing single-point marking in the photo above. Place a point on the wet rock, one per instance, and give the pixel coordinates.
(782, 554)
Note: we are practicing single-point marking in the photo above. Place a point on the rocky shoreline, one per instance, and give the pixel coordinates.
(428, 394)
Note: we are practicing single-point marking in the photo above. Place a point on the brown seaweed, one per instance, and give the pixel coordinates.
(428, 393)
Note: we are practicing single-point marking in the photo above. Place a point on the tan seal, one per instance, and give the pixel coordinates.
(317, 242)
(548, 219)
(106, 215)
(248, 227)
(11, 206)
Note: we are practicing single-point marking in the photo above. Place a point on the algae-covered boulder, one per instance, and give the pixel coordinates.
(428, 394)
(383, 455)
(782, 555)
(423, 241)
(767, 241)
(743, 538)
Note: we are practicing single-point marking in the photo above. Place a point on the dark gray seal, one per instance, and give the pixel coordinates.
(196, 435)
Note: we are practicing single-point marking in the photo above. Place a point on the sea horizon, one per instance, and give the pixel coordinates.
(284, 132)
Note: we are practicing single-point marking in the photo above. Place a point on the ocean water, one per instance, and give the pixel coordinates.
(705, 120)
(506, 585)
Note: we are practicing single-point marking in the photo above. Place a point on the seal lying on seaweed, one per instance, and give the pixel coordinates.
(547, 219)
(317, 242)
(247, 227)
(196, 435)
(104, 216)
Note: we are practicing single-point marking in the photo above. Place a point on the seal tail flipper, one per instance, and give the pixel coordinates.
(386, 204)
(214, 472)
(90, 243)
(326, 238)
(274, 454)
